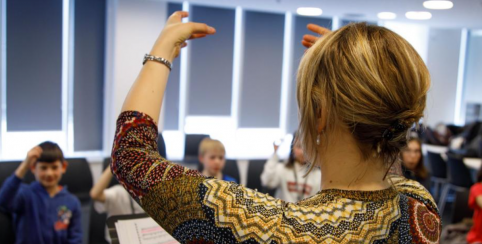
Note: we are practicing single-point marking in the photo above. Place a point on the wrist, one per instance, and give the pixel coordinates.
(22, 169)
(164, 50)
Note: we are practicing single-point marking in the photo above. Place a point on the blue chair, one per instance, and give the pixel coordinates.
(438, 168)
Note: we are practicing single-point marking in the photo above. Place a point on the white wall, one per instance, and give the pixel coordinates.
(443, 64)
(473, 71)
(132, 29)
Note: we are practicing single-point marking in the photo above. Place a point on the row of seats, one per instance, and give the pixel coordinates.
(447, 176)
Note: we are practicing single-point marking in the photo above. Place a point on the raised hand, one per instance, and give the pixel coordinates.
(32, 156)
(175, 34)
(309, 40)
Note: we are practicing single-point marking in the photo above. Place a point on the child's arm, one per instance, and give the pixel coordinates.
(97, 192)
(75, 226)
(9, 199)
(478, 199)
(271, 177)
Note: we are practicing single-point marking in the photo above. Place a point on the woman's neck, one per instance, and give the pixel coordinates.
(343, 167)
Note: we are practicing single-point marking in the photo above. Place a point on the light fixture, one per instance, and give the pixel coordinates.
(418, 15)
(309, 11)
(438, 4)
(386, 15)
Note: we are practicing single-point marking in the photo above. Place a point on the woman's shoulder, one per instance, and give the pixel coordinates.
(414, 190)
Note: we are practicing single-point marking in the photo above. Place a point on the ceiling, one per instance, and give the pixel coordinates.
(464, 14)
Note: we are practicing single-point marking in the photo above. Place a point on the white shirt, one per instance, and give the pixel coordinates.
(290, 183)
(117, 202)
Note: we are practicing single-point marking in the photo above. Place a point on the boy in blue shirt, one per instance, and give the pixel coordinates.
(44, 212)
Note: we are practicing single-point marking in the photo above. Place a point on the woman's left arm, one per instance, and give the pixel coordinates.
(148, 90)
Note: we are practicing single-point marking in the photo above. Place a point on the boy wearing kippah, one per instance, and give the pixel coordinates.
(44, 211)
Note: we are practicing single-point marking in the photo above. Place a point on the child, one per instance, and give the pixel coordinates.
(289, 178)
(44, 211)
(211, 156)
(412, 163)
(114, 201)
(475, 202)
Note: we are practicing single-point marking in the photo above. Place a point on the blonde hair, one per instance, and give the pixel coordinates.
(366, 79)
(208, 144)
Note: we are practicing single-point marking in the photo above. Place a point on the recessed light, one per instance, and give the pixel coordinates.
(438, 4)
(386, 15)
(418, 15)
(309, 11)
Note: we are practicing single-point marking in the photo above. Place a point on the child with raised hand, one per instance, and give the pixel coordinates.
(212, 156)
(114, 200)
(44, 211)
(289, 178)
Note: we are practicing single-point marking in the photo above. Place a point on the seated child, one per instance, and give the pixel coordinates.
(289, 178)
(114, 200)
(211, 156)
(43, 211)
(475, 202)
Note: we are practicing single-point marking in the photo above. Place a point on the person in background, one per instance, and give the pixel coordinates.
(290, 180)
(412, 163)
(475, 202)
(114, 200)
(212, 156)
(44, 211)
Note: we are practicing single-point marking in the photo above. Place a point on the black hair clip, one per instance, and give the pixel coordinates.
(394, 128)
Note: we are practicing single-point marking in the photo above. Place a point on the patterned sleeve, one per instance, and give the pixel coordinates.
(191, 207)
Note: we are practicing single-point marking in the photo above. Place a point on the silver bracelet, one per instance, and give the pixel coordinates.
(164, 61)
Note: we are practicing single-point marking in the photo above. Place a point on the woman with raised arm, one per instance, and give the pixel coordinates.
(359, 90)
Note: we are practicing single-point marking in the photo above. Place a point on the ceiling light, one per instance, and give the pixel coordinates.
(438, 4)
(386, 15)
(418, 15)
(309, 11)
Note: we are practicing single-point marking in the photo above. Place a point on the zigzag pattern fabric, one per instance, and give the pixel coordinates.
(198, 209)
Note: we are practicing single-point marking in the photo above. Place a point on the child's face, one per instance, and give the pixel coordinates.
(213, 161)
(49, 174)
(411, 155)
(298, 152)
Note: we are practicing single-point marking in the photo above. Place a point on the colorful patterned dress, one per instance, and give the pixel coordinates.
(197, 209)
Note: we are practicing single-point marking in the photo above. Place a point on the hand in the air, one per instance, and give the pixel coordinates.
(309, 40)
(175, 34)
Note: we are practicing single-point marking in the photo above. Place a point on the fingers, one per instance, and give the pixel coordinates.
(177, 17)
(318, 29)
(201, 28)
(306, 44)
(195, 36)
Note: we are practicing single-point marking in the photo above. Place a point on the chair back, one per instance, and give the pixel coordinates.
(437, 164)
(6, 169)
(459, 174)
(7, 233)
(106, 164)
(460, 209)
(231, 169)
(161, 146)
(255, 168)
(97, 225)
(191, 146)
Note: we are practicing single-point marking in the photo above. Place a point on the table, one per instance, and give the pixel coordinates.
(473, 163)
